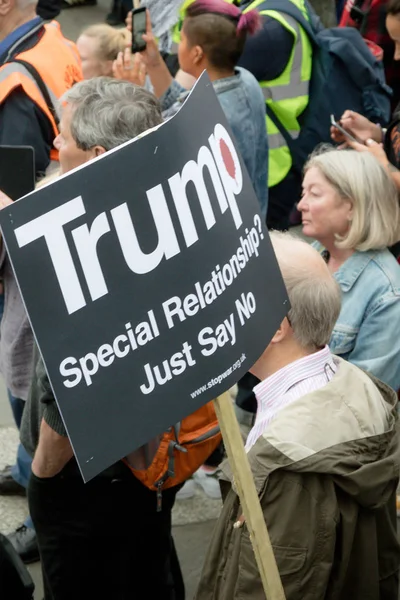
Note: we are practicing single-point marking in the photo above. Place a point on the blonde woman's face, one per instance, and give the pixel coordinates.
(92, 66)
(324, 213)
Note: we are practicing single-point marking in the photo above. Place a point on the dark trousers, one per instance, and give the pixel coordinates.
(103, 539)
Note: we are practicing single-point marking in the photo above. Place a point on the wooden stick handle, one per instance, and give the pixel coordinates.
(136, 3)
(249, 500)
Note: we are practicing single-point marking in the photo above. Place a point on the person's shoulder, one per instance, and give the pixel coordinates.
(251, 85)
(16, 103)
(385, 268)
(272, 26)
(375, 272)
(247, 77)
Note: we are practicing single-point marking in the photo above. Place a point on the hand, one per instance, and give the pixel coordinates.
(359, 126)
(373, 148)
(52, 454)
(130, 67)
(4, 200)
(151, 55)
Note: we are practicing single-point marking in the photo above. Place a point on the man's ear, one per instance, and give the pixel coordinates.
(282, 332)
(6, 6)
(98, 150)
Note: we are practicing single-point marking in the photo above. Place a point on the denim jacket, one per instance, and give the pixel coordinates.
(244, 107)
(367, 332)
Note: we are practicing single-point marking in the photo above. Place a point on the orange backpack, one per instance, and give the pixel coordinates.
(175, 455)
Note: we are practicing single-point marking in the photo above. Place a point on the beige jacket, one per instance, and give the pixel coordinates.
(326, 471)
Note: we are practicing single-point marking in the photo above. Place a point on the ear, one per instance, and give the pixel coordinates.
(281, 333)
(350, 213)
(197, 53)
(99, 150)
(6, 6)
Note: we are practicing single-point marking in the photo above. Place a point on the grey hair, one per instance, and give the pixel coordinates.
(361, 179)
(315, 297)
(108, 112)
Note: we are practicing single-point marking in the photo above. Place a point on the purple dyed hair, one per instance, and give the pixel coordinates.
(248, 22)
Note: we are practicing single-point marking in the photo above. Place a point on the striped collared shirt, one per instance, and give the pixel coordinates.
(301, 377)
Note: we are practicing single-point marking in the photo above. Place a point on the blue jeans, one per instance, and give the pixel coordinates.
(21, 471)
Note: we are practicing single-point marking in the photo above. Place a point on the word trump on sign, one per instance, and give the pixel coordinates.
(219, 158)
(158, 286)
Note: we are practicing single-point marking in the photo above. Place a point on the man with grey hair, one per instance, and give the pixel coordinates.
(37, 65)
(324, 454)
(100, 114)
(106, 538)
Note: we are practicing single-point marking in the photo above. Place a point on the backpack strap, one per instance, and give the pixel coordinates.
(41, 85)
(285, 134)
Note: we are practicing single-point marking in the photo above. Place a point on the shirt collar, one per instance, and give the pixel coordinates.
(16, 35)
(280, 382)
(228, 83)
(220, 85)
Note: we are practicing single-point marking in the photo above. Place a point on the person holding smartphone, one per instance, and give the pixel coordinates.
(384, 144)
(213, 35)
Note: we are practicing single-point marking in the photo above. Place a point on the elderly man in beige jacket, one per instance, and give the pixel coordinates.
(324, 454)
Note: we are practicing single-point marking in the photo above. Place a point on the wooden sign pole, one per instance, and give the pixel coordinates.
(248, 496)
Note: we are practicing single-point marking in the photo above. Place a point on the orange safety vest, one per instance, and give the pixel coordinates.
(57, 61)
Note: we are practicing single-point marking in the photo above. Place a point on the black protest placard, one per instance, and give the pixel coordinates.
(149, 280)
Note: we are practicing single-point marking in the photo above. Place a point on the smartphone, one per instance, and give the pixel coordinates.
(350, 136)
(17, 170)
(138, 29)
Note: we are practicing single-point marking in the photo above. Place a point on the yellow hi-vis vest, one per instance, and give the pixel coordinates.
(176, 34)
(288, 94)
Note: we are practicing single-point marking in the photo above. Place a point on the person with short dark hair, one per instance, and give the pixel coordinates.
(213, 36)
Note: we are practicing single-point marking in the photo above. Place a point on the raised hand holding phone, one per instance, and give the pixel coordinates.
(130, 67)
(348, 136)
(156, 68)
(358, 126)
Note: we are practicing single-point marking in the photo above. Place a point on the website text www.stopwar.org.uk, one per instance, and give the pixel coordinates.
(219, 378)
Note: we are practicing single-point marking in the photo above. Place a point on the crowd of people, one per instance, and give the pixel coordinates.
(322, 399)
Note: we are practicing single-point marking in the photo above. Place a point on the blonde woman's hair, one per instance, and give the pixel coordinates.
(361, 179)
(111, 41)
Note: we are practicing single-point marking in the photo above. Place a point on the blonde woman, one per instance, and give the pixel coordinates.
(98, 47)
(350, 206)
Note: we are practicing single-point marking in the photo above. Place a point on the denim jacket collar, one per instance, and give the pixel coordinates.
(227, 83)
(350, 271)
(220, 85)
